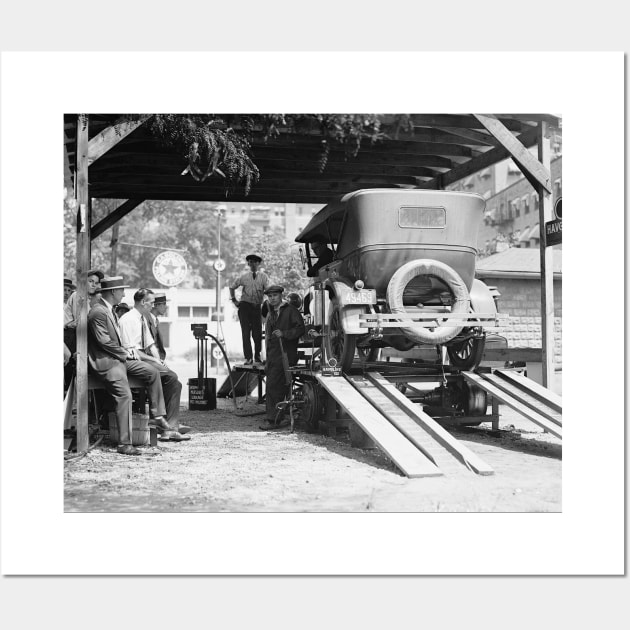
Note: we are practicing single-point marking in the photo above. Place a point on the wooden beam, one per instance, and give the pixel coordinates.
(545, 213)
(111, 136)
(485, 160)
(526, 161)
(113, 217)
(472, 137)
(83, 266)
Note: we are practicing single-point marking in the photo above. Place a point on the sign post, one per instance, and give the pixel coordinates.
(553, 229)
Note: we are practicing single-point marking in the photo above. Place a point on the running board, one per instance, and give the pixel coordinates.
(411, 461)
(520, 396)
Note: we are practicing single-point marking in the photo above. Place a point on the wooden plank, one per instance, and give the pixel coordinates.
(475, 137)
(524, 410)
(527, 162)
(527, 355)
(527, 139)
(550, 398)
(523, 395)
(402, 452)
(83, 266)
(113, 217)
(414, 432)
(437, 432)
(547, 309)
(110, 137)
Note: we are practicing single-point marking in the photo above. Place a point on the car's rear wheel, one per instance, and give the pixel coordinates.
(339, 344)
(467, 354)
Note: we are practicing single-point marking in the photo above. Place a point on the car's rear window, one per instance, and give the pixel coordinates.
(421, 217)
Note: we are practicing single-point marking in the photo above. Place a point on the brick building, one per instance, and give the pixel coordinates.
(515, 272)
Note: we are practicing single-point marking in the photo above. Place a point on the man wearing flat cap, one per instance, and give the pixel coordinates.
(254, 284)
(284, 322)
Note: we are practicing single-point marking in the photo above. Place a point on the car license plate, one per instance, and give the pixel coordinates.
(359, 296)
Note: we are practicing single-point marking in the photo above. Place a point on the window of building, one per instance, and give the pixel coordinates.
(201, 311)
(525, 201)
(557, 188)
(517, 208)
(183, 311)
(535, 196)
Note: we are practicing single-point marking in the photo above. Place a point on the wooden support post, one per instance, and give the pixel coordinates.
(495, 413)
(545, 211)
(83, 266)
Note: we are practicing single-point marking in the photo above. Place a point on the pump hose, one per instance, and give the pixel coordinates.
(227, 363)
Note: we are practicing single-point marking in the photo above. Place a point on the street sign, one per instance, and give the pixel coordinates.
(219, 264)
(557, 208)
(553, 232)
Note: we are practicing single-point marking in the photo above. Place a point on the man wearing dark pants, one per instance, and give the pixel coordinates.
(254, 284)
(137, 339)
(284, 322)
(112, 362)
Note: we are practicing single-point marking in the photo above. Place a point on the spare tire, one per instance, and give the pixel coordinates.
(437, 269)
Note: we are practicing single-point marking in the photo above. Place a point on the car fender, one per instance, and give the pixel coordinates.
(481, 299)
(349, 314)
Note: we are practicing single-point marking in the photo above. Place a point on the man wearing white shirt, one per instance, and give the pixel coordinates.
(138, 340)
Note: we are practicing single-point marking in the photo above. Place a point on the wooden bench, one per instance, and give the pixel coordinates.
(95, 382)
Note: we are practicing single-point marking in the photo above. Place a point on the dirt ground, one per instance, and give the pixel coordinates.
(230, 465)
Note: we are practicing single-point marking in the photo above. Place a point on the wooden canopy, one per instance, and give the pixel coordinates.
(437, 151)
(108, 160)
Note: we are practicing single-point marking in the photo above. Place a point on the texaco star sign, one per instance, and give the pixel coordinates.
(169, 268)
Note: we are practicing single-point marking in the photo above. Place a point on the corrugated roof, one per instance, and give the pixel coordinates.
(516, 260)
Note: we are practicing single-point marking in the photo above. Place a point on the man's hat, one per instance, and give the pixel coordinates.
(274, 288)
(115, 282)
(68, 283)
(96, 272)
(254, 257)
(122, 306)
(160, 298)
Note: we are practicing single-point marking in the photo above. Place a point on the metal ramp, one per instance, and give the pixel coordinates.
(412, 439)
(536, 403)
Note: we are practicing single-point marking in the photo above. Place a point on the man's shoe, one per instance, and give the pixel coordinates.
(248, 362)
(183, 428)
(159, 423)
(127, 449)
(176, 436)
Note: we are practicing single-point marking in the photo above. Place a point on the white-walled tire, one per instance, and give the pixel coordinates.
(437, 269)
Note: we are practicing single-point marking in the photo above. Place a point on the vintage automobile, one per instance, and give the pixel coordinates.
(402, 275)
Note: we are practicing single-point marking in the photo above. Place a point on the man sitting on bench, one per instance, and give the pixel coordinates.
(108, 359)
(137, 338)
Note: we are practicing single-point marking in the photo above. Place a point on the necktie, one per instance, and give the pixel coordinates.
(254, 274)
(143, 341)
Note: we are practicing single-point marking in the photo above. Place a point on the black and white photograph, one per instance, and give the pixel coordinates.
(313, 312)
(332, 329)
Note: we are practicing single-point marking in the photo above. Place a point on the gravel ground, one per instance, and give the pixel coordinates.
(230, 465)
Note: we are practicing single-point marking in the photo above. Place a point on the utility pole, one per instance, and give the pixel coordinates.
(114, 245)
(218, 269)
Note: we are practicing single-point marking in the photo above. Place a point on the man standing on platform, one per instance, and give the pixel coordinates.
(284, 322)
(108, 358)
(137, 339)
(254, 285)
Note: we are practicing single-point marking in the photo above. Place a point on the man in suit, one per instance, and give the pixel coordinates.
(112, 362)
(137, 338)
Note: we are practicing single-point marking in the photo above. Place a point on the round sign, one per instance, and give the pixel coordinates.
(216, 353)
(557, 209)
(219, 264)
(169, 268)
